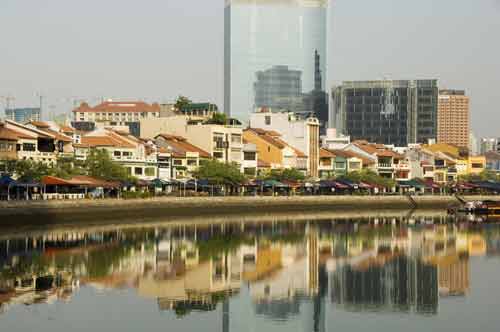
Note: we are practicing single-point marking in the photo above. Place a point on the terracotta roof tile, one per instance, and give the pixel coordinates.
(67, 129)
(180, 146)
(350, 154)
(98, 141)
(7, 134)
(118, 107)
(56, 135)
(324, 153)
(40, 124)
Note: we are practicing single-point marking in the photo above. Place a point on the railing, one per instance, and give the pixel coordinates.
(385, 165)
(402, 166)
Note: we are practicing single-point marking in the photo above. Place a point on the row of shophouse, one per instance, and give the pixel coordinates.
(162, 142)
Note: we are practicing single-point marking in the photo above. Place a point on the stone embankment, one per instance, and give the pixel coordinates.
(48, 212)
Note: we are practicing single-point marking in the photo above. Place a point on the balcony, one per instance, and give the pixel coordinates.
(429, 174)
(403, 166)
(386, 166)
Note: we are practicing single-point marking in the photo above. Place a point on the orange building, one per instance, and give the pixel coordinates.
(453, 118)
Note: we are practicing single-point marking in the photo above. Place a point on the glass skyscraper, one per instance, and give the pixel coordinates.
(387, 112)
(275, 57)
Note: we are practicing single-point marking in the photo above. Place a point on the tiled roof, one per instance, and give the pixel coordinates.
(40, 124)
(7, 134)
(350, 154)
(56, 135)
(180, 146)
(108, 140)
(324, 153)
(379, 150)
(270, 137)
(67, 129)
(118, 107)
(34, 132)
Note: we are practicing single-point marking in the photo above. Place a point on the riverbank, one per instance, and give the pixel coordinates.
(48, 212)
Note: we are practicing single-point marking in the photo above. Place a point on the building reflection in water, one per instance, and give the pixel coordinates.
(288, 268)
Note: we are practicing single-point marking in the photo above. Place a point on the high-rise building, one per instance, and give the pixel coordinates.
(387, 112)
(453, 118)
(488, 144)
(279, 88)
(23, 115)
(473, 144)
(275, 57)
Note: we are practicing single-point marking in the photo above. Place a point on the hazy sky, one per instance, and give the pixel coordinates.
(158, 49)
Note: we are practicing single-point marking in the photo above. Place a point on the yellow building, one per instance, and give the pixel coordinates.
(274, 151)
(476, 164)
(450, 150)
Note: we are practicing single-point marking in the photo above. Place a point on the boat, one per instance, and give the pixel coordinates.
(490, 208)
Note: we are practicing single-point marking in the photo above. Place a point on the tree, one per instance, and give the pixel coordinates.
(100, 165)
(219, 173)
(370, 177)
(182, 102)
(218, 118)
(28, 170)
(485, 175)
(66, 168)
(288, 174)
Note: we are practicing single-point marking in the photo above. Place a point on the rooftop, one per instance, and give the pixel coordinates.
(180, 146)
(119, 107)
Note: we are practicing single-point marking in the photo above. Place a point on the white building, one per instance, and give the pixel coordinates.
(302, 134)
(222, 142)
(139, 157)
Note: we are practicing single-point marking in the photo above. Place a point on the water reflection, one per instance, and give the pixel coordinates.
(285, 269)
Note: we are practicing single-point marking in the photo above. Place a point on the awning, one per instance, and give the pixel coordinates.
(55, 181)
(6, 181)
(488, 185)
(349, 184)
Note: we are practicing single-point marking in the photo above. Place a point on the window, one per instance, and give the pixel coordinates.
(249, 155)
(339, 165)
(354, 165)
(192, 162)
(117, 154)
(236, 139)
(268, 120)
(218, 155)
(177, 162)
(29, 147)
(150, 171)
(138, 171)
(6, 147)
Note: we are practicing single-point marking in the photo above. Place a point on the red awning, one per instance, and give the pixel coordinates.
(55, 181)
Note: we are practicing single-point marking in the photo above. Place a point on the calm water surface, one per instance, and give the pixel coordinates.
(387, 274)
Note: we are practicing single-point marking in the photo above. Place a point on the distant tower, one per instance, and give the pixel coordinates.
(317, 71)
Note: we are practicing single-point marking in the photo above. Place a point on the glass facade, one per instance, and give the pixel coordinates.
(23, 115)
(387, 112)
(275, 57)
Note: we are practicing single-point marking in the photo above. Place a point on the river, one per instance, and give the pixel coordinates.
(389, 272)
